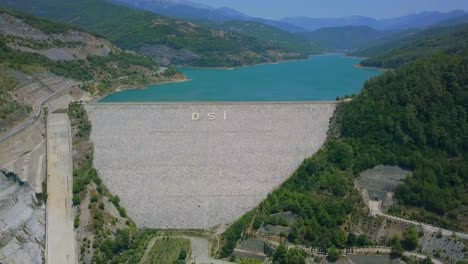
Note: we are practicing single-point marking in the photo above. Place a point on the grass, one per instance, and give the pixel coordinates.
(168, 250)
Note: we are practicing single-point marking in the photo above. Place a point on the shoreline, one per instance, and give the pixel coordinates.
(252, 65)
(97, 98)
(360, 66)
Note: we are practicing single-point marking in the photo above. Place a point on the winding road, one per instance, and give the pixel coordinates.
(36, 113)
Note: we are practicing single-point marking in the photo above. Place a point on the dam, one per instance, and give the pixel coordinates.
(201, 165)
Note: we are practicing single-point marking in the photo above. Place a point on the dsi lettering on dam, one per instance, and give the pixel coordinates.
(201, 165)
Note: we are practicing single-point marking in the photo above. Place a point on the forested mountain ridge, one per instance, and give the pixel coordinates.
(163, 38)
(420, 112)
(418, 20)
(269, 34)
(415, 117)
(343, 38)
(190, 10)
(400, 51)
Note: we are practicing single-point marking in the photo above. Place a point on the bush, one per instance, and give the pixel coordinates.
(333, 254)
(410, 238)
(76, 222)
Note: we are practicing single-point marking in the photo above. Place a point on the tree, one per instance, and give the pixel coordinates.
(427, 260)
(363, 241)
(296, 256)
(396, 251)
(352, 240)
(280, 254)
(182, 254)
(333, 254)
(292, 256)
(341, 239)
(410, 238)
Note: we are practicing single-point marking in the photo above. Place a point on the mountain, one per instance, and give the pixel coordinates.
(184, 9)
(311, 24)
(420, 20)
(189, 10)
(165, 39)
(343, 38)
(400, 51)
(270, 34)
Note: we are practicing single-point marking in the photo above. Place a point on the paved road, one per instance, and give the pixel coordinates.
(426, 227)
(201, 252)
(60, 237)
(36, 113)
(420, 256)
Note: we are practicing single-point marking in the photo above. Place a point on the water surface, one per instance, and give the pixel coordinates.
(320, 78)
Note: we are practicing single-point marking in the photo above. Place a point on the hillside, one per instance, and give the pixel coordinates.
(343, 38)
(33, 50)
(288, 41)
(419, 20)
(191, 10)
(414, 117)
(167, 40)
(400, 51)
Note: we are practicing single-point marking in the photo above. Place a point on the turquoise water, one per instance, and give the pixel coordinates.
(320, 78)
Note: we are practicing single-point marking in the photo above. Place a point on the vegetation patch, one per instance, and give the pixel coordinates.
(414, 117)
(131, 29)
(10, 109)
(168, 250)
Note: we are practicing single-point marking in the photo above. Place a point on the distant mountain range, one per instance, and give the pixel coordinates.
(420, 20)
(191, 10)
(343, 38)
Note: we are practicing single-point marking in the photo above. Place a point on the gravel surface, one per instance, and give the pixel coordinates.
(174, 172)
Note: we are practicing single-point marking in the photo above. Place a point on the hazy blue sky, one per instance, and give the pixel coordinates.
(336, 8)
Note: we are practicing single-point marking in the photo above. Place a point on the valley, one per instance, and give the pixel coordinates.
(170, 131)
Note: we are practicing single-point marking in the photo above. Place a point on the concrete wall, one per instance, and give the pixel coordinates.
(201, 165)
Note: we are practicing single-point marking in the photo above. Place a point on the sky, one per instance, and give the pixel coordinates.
(275, 9)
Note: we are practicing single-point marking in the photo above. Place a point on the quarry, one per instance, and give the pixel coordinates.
(201, 165)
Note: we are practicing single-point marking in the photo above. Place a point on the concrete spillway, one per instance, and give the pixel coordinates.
(200, 165)
(60, 238)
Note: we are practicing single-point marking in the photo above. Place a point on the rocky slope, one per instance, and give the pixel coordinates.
(22, 223)
(43, 67)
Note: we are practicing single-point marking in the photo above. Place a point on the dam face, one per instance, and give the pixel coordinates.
(201, 165)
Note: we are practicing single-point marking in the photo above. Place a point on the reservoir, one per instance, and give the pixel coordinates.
(319, 78)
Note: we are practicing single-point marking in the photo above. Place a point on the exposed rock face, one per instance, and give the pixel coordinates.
(165, 55)
(70, 45)
(24, 152)
(377, 186)
(22, 223)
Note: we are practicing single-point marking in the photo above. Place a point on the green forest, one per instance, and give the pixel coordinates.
(131, 29)
(414, 117)
(410, 46)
